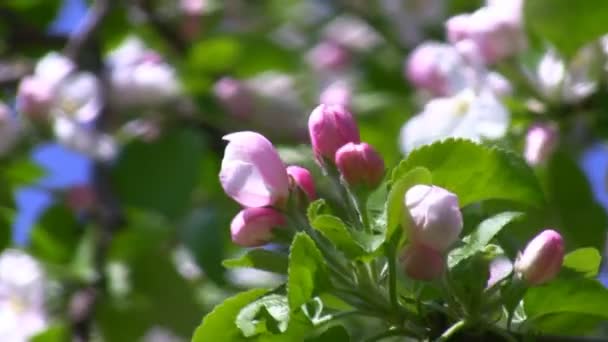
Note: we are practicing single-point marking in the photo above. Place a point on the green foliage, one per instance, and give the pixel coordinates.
(480, 237)
(261, 259)
(308, 274)
(577, 216)
(23, 172)
(572, 296)
(219, 324)
(336, 231)
(200, 234)
(56, 236)
(475, 172)
(336, 333)
(565, 26)
(267, 314)
(584, 260)
(160, 175)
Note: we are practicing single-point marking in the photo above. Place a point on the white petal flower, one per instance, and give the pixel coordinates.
(568, 82)
(79, 97)
(468, 115)
(21, 297)
(140, 77)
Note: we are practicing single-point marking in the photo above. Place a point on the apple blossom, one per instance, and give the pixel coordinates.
(252, 172)
(252, 227)
(22, 313)
(542, 258)
(469, 114)
(303, 180)
(496, 30)
(434, 216)
(330, 127)
(421, 262)
(541, 140)
(360, 165)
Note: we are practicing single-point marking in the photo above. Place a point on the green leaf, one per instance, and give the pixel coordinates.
(554, 20)
(580, 219)
(23, 172)
(570, 295)
(475, 172)
(315, 209)
(219, 324)
(200, 234)
(56, 236)
(261, 259)
(483, 234)
(308, 272)
(567, 324)
(584, 260)
(401, 182)
(160, 176)
(336, 333)
(267, 314)
(336, 231)
(54, 333)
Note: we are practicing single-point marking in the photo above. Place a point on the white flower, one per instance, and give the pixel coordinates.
(569, 83)
(140, 77)
(87, 141)
(469, 115)
(53, 68)
(21, 297)
(79, 97)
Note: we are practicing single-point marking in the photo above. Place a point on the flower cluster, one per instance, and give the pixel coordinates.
(254, 175)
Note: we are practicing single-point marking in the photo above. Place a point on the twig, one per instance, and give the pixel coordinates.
(456, 327)
(171, 36)
(108, 215)
(87, 30)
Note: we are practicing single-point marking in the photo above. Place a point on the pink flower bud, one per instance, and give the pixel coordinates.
(252, 227)
(542, 258)
(330, 127)
(327, 56)
(234, 97)
(35, 97)
(252, 172)
(435, 67)
(360, 164)
(541, 141)
(303, 180)
(421, 262)
(436, 220)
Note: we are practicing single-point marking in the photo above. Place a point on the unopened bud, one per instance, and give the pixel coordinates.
(360, 164)
(302, 179)
(253, 227)
(541, 141)
(331, 127)
(435, 216)
(542, 258)
(421, 262)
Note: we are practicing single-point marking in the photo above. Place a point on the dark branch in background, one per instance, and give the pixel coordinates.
(162, 28)
(107, 214)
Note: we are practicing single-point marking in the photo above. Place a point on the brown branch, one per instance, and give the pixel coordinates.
(171, 36)
(108, 215)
